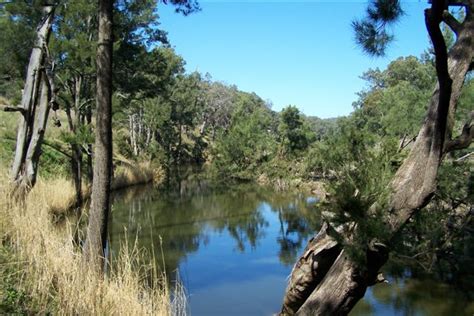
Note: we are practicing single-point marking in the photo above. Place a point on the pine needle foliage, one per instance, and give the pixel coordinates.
(359, 191)
(371, 32)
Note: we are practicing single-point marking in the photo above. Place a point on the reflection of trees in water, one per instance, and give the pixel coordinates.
(426, 297)
(289, 243)
(298, 221)
(182, 215)
(412, 291)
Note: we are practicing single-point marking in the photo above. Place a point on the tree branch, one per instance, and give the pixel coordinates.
(57, 148)
(464, 157)
(11, 108)
(464, 140)
(452, 22)
(46, 143)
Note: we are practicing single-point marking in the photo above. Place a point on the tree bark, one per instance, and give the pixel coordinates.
(30, 131)
(76, 167)
(74, 125)
(39, 128)
(90, 171)
(336, 289)
(96, 241)
(318, 257)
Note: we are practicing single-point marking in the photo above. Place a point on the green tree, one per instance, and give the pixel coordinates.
(293, 131)
(218, 108)
(73, 46)
(411, 187)
(137, 111)
(176, 118)
(136, 27)
(17, 34)
(95, 246)
(395, 102)
(248, 142)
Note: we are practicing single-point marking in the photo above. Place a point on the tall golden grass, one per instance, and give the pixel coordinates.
(129, 173)
(53, 270)
(60, 197)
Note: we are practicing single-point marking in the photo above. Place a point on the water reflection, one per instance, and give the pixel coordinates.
(234, 247)
(185, 217)
(413, 297)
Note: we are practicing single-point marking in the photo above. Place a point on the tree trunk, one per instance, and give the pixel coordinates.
(148, 137)
(96, 241)
(39, 127)
(90, 172)
(133, 133)
(322, 284)
(76, 166)
(74, 124)
(180, 143)
(30, 131)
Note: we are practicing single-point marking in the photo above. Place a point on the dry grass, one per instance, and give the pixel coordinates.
(128, 173)
(53, 270)
(59, 195)
(4, 101)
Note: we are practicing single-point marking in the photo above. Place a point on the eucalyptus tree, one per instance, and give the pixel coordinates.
(73, 46)
(100, 203)
(395, 102)
(175, 118)
(248, 141)
(219, 104)
(138, 109)
(294, 133)
(327, 279)
(96, 242)
(136, 27)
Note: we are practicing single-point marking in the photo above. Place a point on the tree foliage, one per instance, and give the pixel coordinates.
(371, 32)
(294, 133)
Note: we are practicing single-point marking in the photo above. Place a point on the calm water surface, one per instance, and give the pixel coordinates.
(233, 248)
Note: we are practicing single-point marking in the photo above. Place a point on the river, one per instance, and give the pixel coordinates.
(233, 247)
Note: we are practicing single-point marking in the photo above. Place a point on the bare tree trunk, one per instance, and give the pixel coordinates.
(90, 172)
(130, 129)
(148, 136)
(336, 288)
(74, 124)
(34, 148)
(30, 131)
(96, 241)
(178, 149)
(76, 166)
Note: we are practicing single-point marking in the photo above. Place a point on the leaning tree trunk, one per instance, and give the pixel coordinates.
(30, 129)
(94, 250)
(325, 280)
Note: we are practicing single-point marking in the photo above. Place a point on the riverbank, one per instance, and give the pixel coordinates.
(43, 271)
(283, 174)
(61, 196)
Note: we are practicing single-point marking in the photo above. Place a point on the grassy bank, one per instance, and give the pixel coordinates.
(61, 193)
(43, 271)
(285, 174)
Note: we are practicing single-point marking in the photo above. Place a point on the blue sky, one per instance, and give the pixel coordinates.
(290, 52)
